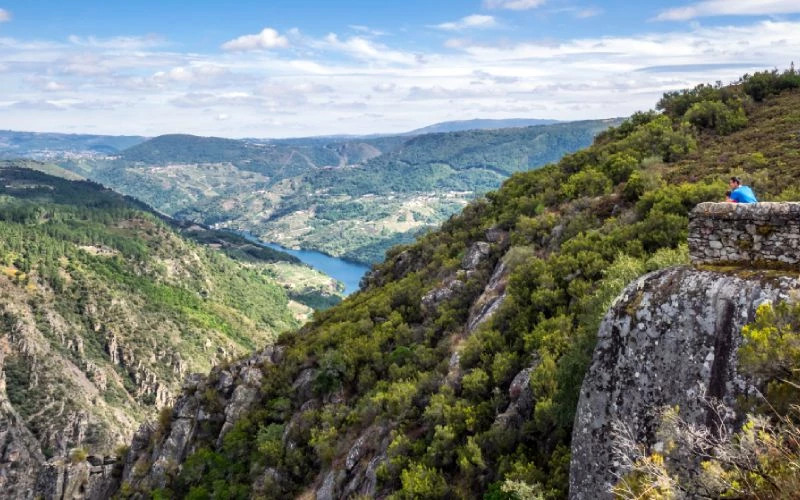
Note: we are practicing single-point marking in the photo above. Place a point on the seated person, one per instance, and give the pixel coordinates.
(740, 193)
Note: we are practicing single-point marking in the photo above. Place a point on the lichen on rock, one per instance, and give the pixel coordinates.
(677, 346)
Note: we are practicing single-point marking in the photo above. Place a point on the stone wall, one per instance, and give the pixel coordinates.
(758, 235)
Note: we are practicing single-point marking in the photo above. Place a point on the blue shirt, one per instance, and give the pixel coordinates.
(743, 194)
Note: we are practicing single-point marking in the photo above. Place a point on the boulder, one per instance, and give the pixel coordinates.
(670, 339)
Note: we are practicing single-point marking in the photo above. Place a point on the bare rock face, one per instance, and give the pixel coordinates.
(521, 400)
(20, 456)
(449, 289)
(670, 339)
(358, 476)
(475, 255)
(207, 408)
(26, 474)
(95, 478)
(490, 300)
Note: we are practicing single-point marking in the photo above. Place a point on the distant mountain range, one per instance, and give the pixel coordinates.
(15, 144)
(480, 124)
(350, 198)
(35, 144)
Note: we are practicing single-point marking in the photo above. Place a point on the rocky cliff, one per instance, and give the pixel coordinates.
(104, 308)
(671, 338)
(211, 407)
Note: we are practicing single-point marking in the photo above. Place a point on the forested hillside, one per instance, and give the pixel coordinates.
(346, 197)
(456, 371)
(479, 124)
(106, 308)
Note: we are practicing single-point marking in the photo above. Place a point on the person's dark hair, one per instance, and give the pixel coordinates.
(736, 180)
(728, 194)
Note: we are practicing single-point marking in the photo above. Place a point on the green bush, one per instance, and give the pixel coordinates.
(590, 182)
(422, 482)
(717, 116)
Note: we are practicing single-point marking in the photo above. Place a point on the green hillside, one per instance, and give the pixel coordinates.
(105, 308)
(480, 124)
(402, 361)
(346, 197)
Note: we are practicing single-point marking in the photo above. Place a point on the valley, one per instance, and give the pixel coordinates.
(349, 274)
(457, 369)
(106, 307)
(473, 250)
(350, 198)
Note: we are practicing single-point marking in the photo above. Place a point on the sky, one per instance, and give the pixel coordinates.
(281, 68)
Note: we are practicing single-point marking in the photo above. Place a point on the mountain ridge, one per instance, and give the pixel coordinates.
(349, 199)
(481, 124)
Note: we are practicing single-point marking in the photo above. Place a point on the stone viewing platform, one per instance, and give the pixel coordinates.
(759, 235)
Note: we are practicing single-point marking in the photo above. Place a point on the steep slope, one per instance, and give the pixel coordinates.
(457, 370)
(104, 309)
(345, 197)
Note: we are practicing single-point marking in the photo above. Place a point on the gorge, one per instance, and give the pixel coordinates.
(492, 356)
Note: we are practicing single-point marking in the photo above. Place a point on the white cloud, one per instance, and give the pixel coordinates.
(224, 99)
(267, 39)
(513, 4)
(384, 87)
(118, 42)
(473, 21)
(191, 74)
(53, 86)
(366, 29)
(710, 8)
(588, 12)
(353, 84)
(5, 16)
(578, 12)
(367, 50)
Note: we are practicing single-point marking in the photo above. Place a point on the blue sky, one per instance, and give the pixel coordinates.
(308, 67)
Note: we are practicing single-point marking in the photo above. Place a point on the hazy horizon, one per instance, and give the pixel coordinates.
(310, 68)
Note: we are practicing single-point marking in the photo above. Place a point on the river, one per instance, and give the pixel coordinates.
(349, 273)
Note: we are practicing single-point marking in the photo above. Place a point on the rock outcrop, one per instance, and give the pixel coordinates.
(20, 454)
(26, 474)
(206, 410)
(671, 339)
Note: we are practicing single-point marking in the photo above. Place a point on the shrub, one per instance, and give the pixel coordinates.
(78, 455)
(586, 183)
(270, 442)
(765, 83)
(717, 116)
(475, 384)
(620, 166)
(420, 481)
